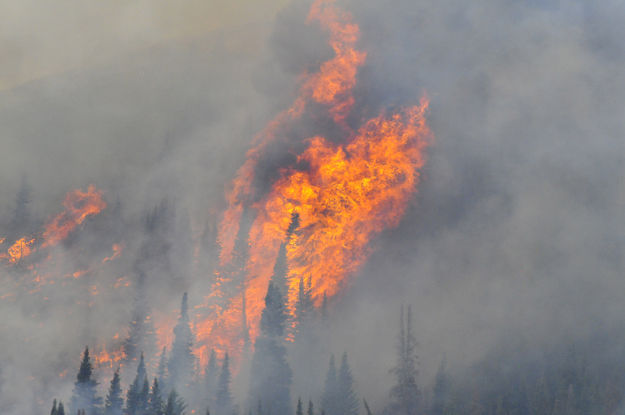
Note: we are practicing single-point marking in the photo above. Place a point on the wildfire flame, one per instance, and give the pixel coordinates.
(78, 206)
(343, 194)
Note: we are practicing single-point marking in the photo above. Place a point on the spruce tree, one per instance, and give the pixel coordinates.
(155, 400)
(161, 370)
(271, 375)
(135, 398)
(53, 411)
(347, 402)
(329, 399)
(211, 373)
(84, 395)
(405, 394)
(299, 410)
(175, 404)
(61, 409)
(442, 392)
(311, 410)
(223, 398)
(141, 333)
(114, 402)
(181, 361)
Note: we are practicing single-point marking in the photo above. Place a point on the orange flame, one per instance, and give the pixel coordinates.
(331, 86)
(78, 205)
(344, 196)
(20, 249)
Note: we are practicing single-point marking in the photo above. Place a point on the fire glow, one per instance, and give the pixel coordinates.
(343, 194)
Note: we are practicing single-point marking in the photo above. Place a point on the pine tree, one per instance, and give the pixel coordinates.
(175, 404)
(161, 370)
(348, 402)
(329, 399)
(61, 409)
(210, 379)
(84, 396)
(311, 410)
(271, 375)
(405, 394)
(136, 399)
(442, 391)
(155, 400)
(114, 401)
(141, 333)
(54, 410)
(223, 398)
(182, 361)
(299, 410)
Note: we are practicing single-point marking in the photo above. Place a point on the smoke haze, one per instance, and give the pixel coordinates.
(515, 238)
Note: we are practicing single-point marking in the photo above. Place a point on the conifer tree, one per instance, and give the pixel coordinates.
(271, 375)
(136, 399)
(223, 398)
(114, 402)
(53, 411)
(329, 399)
(155, 400)
(181, 361)
(175, 404)
(311, 410)
(84, 396)
(61, 409)
(141, 333)
(299, 410)
(405, 394)
(348, 402)
(161, 370)
(441, 393)
(211, 373)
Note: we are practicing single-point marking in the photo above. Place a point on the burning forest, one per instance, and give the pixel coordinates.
(329, 207)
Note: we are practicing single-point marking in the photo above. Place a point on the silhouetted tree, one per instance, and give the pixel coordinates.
(136, 398)
(114, 402)
(223, 398)
(329, 399)
(442, 391)
(181, 361)
(155, 400)
(270, 372)
(141, 333)
(347, 402)
(175, 404)
(405, 394)
(84, 395)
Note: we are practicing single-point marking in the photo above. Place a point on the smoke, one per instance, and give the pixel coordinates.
(515, 236)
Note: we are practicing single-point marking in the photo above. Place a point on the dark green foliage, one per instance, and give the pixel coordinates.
(114, 402)
(84, 395)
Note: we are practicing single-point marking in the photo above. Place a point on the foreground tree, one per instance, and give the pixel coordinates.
(405, 394)
(347, 402)
(271, 374)
(114, 402)
(175, 404)
(84, 395)
(137, 396)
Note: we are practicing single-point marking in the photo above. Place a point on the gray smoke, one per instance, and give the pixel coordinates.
(516, 235)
